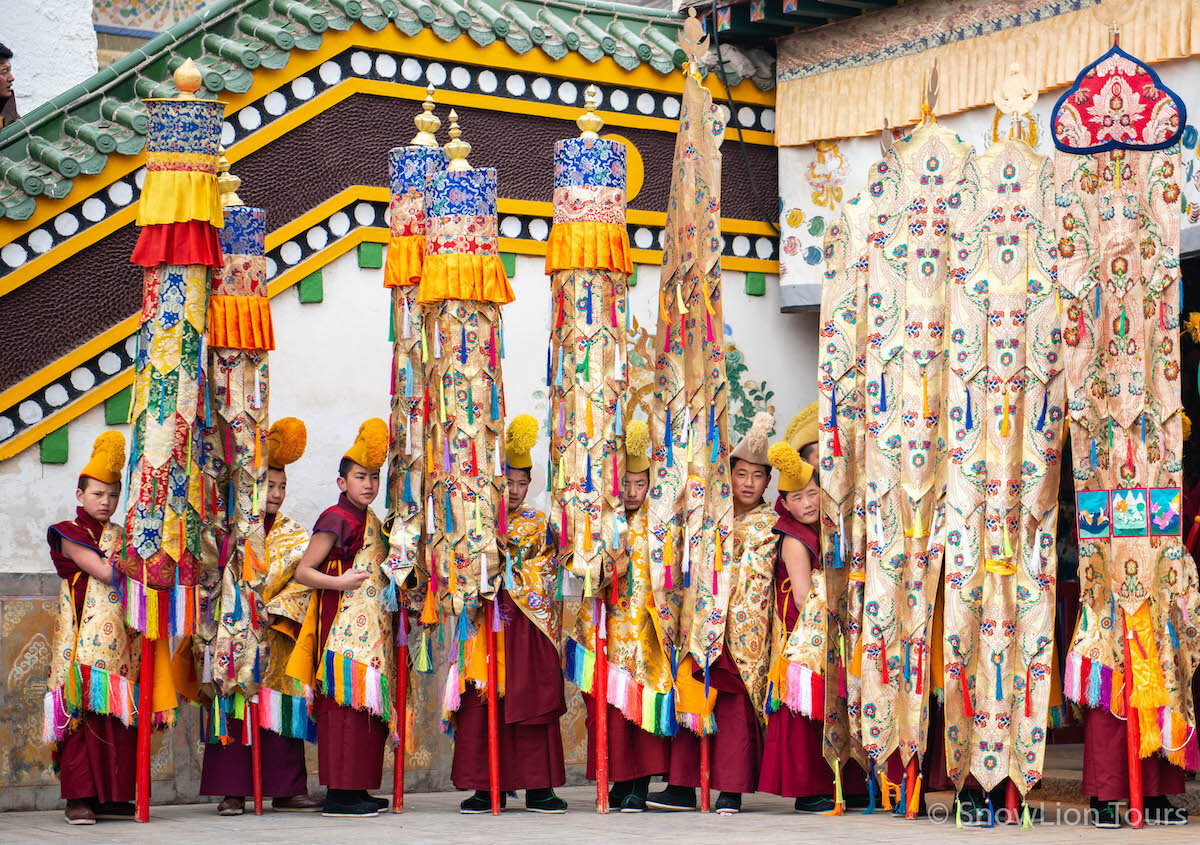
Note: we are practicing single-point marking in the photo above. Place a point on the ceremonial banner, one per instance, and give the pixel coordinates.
(1118, 171)
(690, 504)
(1004, 429)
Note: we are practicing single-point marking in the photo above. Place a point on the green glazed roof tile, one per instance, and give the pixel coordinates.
(230, 40)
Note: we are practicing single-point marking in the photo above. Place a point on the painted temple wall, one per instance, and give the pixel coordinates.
(815, 180)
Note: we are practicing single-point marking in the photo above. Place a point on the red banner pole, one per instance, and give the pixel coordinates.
(1133, 742)
(255, 755)
(705, 774)
(401, 704)
(493, 710)
(145, 722)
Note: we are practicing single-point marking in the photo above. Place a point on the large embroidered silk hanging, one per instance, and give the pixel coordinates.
(180, 212)
(587, 367)
(904, 481)
(691, 512)
(1004, 426)
(1117, 170)
(409, 169)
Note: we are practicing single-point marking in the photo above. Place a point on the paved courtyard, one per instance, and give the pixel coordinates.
(432, 816)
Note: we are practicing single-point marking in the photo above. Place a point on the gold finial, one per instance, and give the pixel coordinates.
(456, 148)
(694, 42)
(188, 80)
(427, 123)
(227, 183)
(589, 122)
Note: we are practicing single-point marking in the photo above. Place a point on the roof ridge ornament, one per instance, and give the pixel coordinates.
(456, 148)
(427, 122)
(589, 122)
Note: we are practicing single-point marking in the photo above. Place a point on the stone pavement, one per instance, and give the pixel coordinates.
(432, 817)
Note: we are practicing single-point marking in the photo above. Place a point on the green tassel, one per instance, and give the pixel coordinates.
(958, 814)
(1026, 823)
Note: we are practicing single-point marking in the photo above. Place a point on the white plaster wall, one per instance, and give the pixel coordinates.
(331, 367)
(54, 46)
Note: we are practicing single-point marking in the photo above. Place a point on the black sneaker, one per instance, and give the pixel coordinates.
(345, 803)
(815, 804)
(380, 803)
(1105, 815)
(633, 803)
(1158, 809)
(481, 802)
(728, 803)
(114, 811)
(857, 802)
(619, 790)
(673, 798)
(972, 809)
(544, 801)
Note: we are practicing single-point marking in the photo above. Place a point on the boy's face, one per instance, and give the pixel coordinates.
(361, 485)
(276, 489)
(637, 485)
(749, 483)
(518, 487)
(804, 505)
(6, 80)
(99, 500)
(808, 453)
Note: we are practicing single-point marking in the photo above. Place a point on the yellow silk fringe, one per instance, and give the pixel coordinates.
(179, 196)
(240, 322)
(405, 257)
(856, 100)
(588, 245)
(1148, 691)
(689, 692)
(480, 278)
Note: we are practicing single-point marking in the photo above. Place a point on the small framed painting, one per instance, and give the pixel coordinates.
(1130, 513)
(1166, 511)
(1094, 514)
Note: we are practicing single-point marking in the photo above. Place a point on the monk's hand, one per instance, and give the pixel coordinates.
(351, 579)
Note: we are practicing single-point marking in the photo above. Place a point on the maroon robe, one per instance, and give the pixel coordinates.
(1106, 762)
(97, 759)
(632, 752)
(530, 742)
(350, 743)
(794, 764)
(226, 769)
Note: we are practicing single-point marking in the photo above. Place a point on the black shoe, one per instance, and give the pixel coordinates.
(972, 809)
(1105, 814)
(856, 802)
(619, 790)
(381, 803)
(728, 803)
(673, 798)
(544, 801)
(816, 804)
(346, 803)
(1158, 810)
(481, 802)
(633, 803)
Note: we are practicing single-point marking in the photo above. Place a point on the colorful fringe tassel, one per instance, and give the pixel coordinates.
(87, 690)
(653, 712)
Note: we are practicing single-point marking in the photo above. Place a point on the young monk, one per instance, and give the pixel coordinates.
(95, 743)
(345, 648)
(226, 769)
(636, 749)
(739, 674)
(529, 666)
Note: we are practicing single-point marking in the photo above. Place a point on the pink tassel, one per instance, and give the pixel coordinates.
(502, 519)
(451, 698)
(492, 347)
(708, 327)
(667, 585)
(616, 488)
(613, 303)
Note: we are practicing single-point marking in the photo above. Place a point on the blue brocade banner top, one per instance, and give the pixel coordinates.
(590, 163)
(470, 193)
(184, 127)
(409, 168)
(245, 231)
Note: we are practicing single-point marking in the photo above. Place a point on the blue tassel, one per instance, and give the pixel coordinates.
(548, 366)
(495, 402)
(970, 423)
(882, 394)
(237, 604)
(1143, 426)
(257, 665)
(589, 303)
(449, 516)
(464, 633)
(837, 550)
(389, 597)
(716, 450)
(992, 812)
(408, 496)
(1041, 423)
(670, 449)
(872, 789)
(1095, 461)
(903, 802)
(1174, 636)
(1093, 689)
(500, 334)
(508, 578)
(462, 350)
(832, 408)
(712, 423)
(706, 657)
(1097, 300)
(907, 655)
(588, 487)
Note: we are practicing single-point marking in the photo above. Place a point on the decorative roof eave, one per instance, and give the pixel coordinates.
(231, 39)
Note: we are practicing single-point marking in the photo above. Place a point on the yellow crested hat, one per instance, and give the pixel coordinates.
(804, 428)
(371, 446)
(108, 458)
(794, 472)
(519, 441)
(286, 442)
(637, 443)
